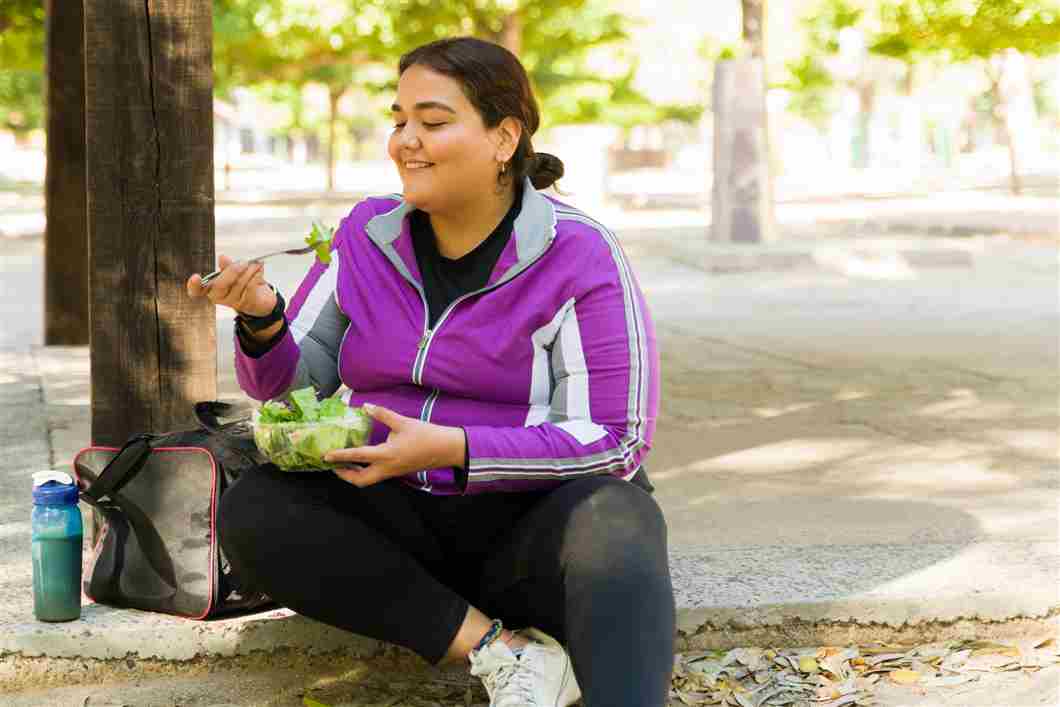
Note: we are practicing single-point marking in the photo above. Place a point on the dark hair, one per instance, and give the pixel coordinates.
(496, 84)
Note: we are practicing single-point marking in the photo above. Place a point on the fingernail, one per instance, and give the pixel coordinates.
(369, 408)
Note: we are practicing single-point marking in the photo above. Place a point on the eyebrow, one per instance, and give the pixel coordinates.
(423, 105)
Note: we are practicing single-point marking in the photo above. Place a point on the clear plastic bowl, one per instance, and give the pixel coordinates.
(301, 446)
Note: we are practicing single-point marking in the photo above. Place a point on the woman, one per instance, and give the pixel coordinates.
(500, 342)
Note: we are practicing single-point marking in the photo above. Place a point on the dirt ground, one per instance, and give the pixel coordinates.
(351, 685)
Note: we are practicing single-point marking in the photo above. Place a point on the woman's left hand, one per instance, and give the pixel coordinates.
(412, 445)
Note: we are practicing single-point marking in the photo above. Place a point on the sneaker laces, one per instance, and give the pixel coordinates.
(509, 681)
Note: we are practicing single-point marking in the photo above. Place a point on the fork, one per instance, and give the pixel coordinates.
(207, 279)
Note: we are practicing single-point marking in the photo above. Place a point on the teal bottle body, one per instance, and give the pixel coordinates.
(57, 534)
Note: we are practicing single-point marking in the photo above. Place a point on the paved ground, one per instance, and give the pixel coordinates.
(863, 447)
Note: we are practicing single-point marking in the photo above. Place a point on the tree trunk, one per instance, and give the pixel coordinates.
(511, 36)
(333, 116)
(1013, 161)
(741, 199)
(866, 91)
(999, 115)
(66, 233)
(148, 88)
(742, 186)
(753, 26)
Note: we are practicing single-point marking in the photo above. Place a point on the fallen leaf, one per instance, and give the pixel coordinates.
(904, 677)
(950, 680)
(997, 649)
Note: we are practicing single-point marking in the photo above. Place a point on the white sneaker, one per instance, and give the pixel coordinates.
(541, 676)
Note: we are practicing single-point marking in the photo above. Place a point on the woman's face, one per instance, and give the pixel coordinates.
(445, 155)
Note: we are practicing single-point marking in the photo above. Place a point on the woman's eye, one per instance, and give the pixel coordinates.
(398, 126)
(434, 125)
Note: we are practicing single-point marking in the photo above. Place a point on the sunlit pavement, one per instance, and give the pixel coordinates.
(843, 451)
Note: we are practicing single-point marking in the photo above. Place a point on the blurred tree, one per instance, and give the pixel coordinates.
(837, 33)
(21, 65)
(752, 18)
(974, 31)
(66, 246)
(810, 84)
(300, 42)
(741, 174)
(575, 52)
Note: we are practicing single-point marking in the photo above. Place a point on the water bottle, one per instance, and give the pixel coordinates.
(57, 534)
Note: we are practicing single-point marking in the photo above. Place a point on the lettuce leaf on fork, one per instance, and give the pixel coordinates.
(320, 239)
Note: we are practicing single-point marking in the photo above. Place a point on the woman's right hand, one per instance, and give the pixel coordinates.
(240, 286)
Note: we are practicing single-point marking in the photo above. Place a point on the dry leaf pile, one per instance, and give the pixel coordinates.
(836, 677)
(748, 677)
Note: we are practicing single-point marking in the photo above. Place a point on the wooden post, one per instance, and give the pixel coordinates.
(66, 233)
(741, 198)
(149, 85)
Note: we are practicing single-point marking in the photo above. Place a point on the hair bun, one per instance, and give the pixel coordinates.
(546, 170)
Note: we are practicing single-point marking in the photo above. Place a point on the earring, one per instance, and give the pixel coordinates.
(504, 167)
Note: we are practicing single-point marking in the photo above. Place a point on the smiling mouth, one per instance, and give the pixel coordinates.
(418, 165)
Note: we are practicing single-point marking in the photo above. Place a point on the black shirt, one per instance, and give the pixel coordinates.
(446, 279)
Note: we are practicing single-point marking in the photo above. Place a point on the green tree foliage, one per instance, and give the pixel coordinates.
(297, 41)
(810, 84)
(285, 45)
(21, 65)
(972, 31)
(809, 77)
(965, 30)
(575, 51)
(832, 16)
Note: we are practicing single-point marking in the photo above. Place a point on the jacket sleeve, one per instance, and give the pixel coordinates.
(307, 353)
(596, 371)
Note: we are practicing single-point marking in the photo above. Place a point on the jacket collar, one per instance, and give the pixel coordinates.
(533, 231)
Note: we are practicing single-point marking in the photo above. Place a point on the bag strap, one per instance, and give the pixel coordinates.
(120, 471)
(209, 412)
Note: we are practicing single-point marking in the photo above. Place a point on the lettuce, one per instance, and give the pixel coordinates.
(305, 404)
(331, 408)
(277, 412)
(297, 435)
(320, 240)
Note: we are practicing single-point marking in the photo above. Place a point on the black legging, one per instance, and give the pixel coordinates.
(585, 562)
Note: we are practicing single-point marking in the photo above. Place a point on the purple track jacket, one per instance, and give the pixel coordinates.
(551, 368)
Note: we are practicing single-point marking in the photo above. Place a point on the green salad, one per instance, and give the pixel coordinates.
(297, 433)
(320, 240)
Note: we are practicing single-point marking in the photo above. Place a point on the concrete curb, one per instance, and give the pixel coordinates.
(132, 645)
(882, 258)
(721, 603)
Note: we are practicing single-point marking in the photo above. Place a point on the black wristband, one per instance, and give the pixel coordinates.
(256, 324)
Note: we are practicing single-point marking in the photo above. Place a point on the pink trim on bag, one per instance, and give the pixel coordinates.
(213, 513)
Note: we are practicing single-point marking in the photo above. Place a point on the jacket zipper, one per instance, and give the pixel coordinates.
(428, 406)
(429, 332)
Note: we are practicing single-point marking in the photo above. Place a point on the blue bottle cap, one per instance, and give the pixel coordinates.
(54, 488)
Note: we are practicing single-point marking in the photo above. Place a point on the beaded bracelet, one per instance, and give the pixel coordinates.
(495, 631)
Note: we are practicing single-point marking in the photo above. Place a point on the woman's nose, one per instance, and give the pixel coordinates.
(411, 139)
